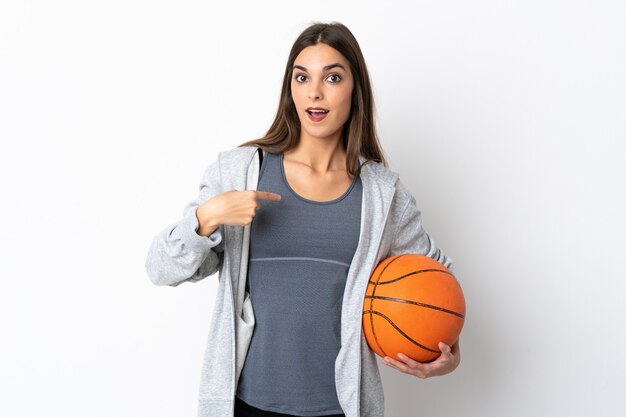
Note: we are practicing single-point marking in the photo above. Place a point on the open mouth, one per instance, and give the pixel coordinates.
(317, 115)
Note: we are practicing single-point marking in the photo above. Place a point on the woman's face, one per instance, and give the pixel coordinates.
(321, 78)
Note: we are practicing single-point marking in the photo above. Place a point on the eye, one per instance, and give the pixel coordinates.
(335, 75)
(336, 78)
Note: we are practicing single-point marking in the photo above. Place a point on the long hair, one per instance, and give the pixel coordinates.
(359, 135)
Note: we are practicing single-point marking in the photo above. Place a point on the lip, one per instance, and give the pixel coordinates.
(316, 118)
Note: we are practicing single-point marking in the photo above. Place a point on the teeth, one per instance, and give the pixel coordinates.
(318, 111)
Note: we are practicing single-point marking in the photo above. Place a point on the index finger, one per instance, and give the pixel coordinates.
(267, 195)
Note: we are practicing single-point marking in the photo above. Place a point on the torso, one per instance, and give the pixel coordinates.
(300, 253)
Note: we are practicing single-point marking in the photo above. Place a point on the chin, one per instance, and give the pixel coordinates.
(321, 133)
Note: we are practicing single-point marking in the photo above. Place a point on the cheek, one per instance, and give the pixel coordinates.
(295, 96)
(344, 101)
(297, 102)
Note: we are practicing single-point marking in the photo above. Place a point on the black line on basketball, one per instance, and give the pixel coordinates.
(371, 313)
(411, 273)
(401, 300)
(372, 302)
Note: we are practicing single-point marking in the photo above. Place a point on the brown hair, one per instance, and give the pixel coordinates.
(359, 132)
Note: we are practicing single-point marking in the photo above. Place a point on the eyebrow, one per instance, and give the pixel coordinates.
(326, 68)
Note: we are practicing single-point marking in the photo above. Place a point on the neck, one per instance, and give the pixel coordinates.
(321, 154)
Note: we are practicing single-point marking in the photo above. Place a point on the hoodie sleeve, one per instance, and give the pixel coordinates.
(409, 234)
(178, 254)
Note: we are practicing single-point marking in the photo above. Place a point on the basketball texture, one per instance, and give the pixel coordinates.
(412, 303)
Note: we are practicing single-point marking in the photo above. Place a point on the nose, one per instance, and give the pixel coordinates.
(315, 91)
(315, 95)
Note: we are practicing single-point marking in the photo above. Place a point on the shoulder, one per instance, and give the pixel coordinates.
(378, 172)
(379, 175)
(402, 190)
(402, 194)
(238, 152)
(229, 163)
(236, 158)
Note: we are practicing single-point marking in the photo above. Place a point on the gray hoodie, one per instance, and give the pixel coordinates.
(390, 225)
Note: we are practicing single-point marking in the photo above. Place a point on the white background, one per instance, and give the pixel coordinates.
(506, 119)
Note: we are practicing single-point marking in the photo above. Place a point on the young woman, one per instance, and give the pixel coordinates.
(319, 210)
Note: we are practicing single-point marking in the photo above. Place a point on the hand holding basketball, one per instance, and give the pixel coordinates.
(234, 207)
(444, 364)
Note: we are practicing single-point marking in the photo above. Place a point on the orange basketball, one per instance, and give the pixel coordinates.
(412, 303)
